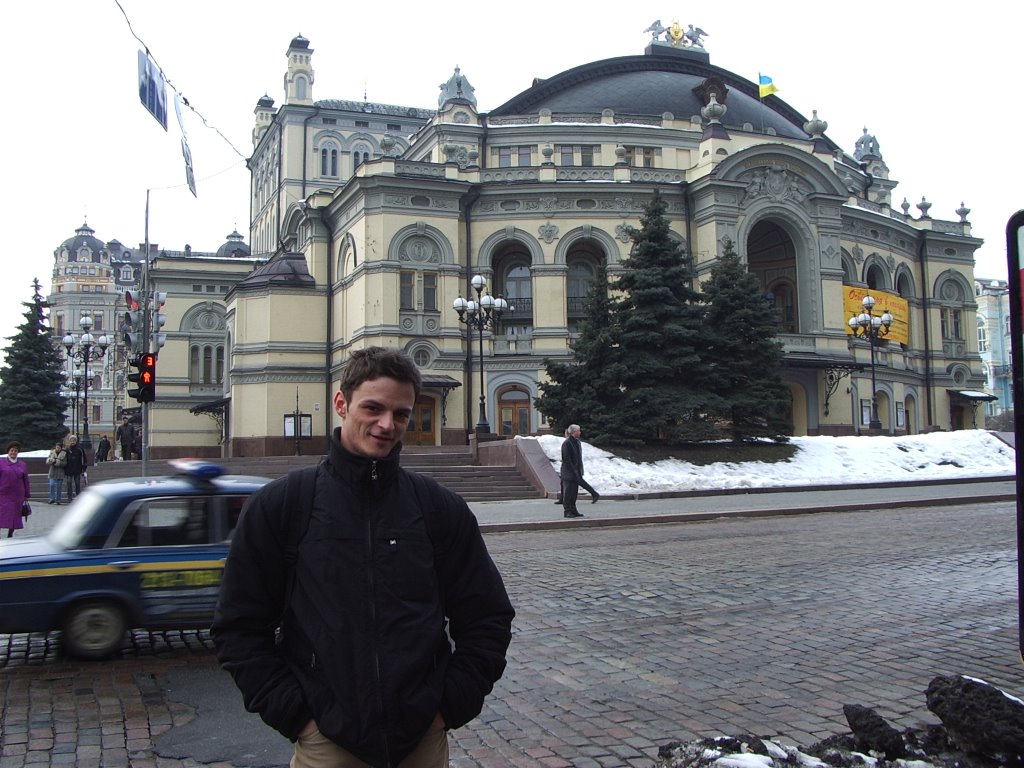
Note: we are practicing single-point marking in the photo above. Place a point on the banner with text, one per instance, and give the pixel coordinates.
(895, 305)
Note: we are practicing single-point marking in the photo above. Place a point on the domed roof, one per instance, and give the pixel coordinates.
(265, 101)
(234, 248)
(298, 42)
(664, 79)
(84, 239)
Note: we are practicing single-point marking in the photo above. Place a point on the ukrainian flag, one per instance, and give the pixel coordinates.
(765, 86)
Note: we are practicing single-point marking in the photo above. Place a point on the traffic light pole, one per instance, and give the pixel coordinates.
(144, 441)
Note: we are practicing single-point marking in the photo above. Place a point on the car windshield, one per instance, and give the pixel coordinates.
(70, 530)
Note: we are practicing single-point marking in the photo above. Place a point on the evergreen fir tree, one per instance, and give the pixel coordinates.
(745, 356)
(586, 390)
(660, 321)
(31, 405)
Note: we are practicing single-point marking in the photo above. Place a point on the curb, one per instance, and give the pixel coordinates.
(696, 517)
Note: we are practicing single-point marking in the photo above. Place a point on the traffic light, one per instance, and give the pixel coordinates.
(159, 320)
(132, 323)
(144, 378)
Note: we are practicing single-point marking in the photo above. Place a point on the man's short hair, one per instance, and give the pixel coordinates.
(377, 362)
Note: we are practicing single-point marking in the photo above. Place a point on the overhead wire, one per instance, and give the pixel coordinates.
(171, 85)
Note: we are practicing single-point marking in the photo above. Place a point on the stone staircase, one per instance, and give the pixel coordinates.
(452, 466)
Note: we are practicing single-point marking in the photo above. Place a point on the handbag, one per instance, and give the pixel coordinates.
(26, 509)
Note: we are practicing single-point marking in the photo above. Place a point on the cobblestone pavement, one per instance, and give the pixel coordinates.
(627, 638)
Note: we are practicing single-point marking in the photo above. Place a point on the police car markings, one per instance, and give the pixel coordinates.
(79, 570)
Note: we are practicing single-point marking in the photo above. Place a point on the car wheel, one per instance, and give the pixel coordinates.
(94, 629)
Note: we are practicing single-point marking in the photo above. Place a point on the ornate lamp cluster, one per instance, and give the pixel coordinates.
(89, 348)
(873, 327)
(480, 314)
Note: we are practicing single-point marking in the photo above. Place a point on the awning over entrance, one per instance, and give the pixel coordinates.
(211, 406)
(446, 384)
(440, 382)
(972, 395)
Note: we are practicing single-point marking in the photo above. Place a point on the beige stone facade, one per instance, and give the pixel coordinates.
(375, 218)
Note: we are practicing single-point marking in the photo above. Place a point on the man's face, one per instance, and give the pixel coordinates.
(577, 432)
(375, 418)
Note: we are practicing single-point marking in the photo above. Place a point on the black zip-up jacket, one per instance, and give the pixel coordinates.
(363, 649)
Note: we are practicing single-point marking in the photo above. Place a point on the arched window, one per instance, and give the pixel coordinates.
(876, 278)
(300, 88)
(982, 335)
(329, 161)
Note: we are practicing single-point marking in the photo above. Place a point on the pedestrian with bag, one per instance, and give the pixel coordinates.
(360, 613)
(77, 462)
(56, 462)
(14, 490)
(571, 472)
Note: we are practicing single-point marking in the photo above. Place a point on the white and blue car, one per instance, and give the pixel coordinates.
(145, 553)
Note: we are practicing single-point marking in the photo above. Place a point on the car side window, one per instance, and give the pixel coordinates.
(181, 521)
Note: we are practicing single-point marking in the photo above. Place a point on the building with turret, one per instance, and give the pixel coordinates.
(375, 219)
(90, 279)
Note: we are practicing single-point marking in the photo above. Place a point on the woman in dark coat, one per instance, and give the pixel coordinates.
(14, 489)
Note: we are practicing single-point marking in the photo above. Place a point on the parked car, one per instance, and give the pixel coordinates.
(141, 553)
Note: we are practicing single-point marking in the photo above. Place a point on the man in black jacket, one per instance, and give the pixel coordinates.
(343, 648)
(76, 465)
(571, 472)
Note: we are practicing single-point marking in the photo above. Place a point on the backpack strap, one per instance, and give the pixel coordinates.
(429, 498)
(299, 490)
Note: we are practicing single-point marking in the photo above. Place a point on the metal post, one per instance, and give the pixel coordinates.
(86, 442)
(482, 427)
(295, 427)
(875, 423)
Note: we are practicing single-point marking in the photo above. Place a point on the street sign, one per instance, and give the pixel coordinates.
(1014, 268)
(152, 89)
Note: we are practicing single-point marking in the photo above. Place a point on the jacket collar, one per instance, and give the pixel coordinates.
(360, 471)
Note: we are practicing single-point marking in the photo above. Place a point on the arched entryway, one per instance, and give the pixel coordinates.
(515, 412)
(771, 256)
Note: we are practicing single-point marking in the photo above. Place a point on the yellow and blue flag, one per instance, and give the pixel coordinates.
(765, 86)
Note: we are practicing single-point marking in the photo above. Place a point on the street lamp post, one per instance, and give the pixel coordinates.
(873, 327)
(89, 350)
(480, 314)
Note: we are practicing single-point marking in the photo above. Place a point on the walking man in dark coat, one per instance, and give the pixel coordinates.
(571, 472)
(77, 462)
(125, 435)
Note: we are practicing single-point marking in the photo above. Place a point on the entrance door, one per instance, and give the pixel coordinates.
(421, 425)
(514, 409)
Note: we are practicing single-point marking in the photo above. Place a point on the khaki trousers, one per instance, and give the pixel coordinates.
(317, 751)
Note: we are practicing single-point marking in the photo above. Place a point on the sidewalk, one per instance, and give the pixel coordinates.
(543, 514)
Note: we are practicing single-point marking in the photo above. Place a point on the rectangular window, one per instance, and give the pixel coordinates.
(565, 156)
(394, 127)
(362, 123)
(519, 156)
(641, 157)
(97, 322)
(407, 290)
(586, 156)
(865, 413)
(197, 288)
(430, 291)
(950, 323)
(330, 121)
(211, 288)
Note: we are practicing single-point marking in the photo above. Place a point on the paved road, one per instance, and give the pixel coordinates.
(626, 638)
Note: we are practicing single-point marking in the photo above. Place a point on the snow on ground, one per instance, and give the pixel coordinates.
(818, 461)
